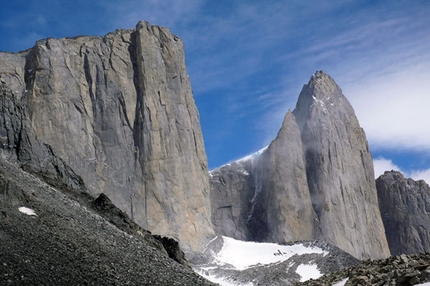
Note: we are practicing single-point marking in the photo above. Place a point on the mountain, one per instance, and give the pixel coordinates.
(119, 111)
(405, 206)
(314, 181)
(91, 123)
(53, 232)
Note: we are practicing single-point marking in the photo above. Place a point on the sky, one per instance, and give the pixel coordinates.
(249, 59)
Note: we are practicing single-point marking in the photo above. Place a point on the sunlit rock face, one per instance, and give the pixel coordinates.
(339, 169)
(119, 110)
(314, 181)
(405, 207)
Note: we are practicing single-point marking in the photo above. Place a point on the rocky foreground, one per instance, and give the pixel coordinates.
(396, 270)
(73, 239)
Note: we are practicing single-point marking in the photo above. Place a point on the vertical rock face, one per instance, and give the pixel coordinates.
(265, 197)
(339, 170)
(119, 110)
(284, 191)
(19, 144)
(232, 189)
(405, 208)
(314, 181)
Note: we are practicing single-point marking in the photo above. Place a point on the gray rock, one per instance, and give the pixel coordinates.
(68, 242)
(265, 197)
(119, 111)
(405, 206)
(232, 190)
(19, 144)
(72, 238)
(285, 193)
(390, 271)
(339, 170)
(314, 181)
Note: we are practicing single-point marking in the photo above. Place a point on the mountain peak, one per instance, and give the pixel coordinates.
(321, 93)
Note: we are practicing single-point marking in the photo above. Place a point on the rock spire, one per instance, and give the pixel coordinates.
(314, 181)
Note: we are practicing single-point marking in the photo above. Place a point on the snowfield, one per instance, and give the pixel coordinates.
(238, 256)
(244, 254)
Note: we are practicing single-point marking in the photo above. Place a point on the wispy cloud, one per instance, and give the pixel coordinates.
(248, 59)
(382, 63)
(169, 13)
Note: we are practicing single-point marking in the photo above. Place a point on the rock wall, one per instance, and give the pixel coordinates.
(405, 207)
(339, 170)
(119, 110)
(283, 173)
(232, 194)
(314, 181)
(19, 145)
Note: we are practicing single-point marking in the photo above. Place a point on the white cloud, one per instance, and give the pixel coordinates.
(393, 109)
(383, 164)
(421, 175)
(255, 56)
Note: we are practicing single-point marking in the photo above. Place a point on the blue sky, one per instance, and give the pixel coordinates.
(249, 59)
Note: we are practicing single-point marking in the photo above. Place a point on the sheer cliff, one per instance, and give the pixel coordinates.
(314, 181)
(339, 169)
(119, 111)
(57, 233)
(405, 206)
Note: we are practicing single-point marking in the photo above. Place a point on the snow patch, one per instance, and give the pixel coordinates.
(253, 155)
(27, 211)
(341, 283)
(320, 102)
(308, 272)
(222, 281)
(245, 254)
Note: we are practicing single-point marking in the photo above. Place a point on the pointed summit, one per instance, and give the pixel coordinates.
(339, 169)
(320, 98)
(314, 181)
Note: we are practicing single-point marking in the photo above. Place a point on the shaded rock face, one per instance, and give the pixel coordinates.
(314, 181)
(405, 207)
(265, 197)
(289, 210)
(19, 144)
(231, 200)
(119, 110)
